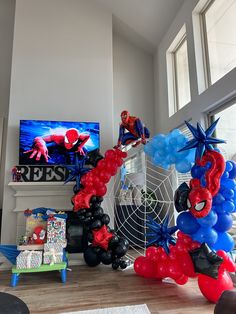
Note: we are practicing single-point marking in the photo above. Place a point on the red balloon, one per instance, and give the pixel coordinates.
(187, 265)
(101, 164)
(162, 269)
(105, 176)
(101, 191)
(110, 154)
(151, 252)
(119, 161)
(213, 288)
(182, 280)
(174, 270)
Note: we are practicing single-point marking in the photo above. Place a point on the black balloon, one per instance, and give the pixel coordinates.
(91, 257)
(115, 266)
(114, 242)
(106, 257)
(181, 196)
(123, 264)
(120, 250)
(90, 237)
(206, 261)
(105, 219)
(98, 212)
(93, 157)
(96, 224)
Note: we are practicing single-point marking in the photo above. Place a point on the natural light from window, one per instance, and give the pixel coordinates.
(182, 75)
(220, 27)
(226, 130)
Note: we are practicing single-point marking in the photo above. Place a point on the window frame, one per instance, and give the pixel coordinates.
(172, 79)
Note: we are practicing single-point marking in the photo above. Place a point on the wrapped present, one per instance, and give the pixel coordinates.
(53, 253)
(56, 230)
(29, 259)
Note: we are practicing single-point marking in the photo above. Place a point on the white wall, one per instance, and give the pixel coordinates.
(221, 91)
(133, 82)
(7, 9)
(61, 70)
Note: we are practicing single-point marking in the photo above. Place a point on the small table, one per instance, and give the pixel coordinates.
(16, 272)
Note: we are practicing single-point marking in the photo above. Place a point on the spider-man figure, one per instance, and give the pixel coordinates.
(137, 132)
(72, 141)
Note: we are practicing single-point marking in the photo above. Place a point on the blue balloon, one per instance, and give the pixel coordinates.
(197, 171)
(218, 199)
(228, 166)
(208, 221)
(175, 133)
(183, 166)
(173, 142)
(159, 141)
(207, 235)
(228, 206)
(228, 194)
(187, 223)
(232, 173)
(224, 222)
(224, 242)
(149, 149)
(229, 184)
(219, 209)
(225, 175)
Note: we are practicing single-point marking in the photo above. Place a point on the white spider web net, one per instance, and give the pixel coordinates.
(149, 193)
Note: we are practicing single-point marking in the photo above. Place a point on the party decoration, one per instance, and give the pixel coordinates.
(161, 234)
(132, 130)
(77, 170)
(164, 151)
(206, 261)
(181, 196)
(93, 157)
(101, 237)
(202, 140)
(105, 246)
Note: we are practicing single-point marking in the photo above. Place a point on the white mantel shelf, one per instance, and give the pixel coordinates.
(30, 195)
(56, 195)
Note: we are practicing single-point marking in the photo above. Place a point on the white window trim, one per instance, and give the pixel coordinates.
(171, 71)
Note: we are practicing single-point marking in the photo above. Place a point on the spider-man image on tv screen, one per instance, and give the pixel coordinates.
(56, 142)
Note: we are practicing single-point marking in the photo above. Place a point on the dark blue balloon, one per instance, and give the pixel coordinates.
(228, 194)
(208, 221)
(232, 173)
(207, 235)
(224, 222)
(224, 242)
(187, 223)
(229, 166)
(218, 199)
(228, 206)
(197, 171)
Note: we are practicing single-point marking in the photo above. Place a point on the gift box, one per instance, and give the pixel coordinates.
(56, 230)
(53, 253)
(29, 259)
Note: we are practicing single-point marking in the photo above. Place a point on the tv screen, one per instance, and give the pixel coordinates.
(55, 142)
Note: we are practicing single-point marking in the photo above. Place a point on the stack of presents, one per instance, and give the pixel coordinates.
(44, 241)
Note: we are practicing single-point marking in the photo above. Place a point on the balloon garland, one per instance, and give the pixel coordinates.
(205, 208)
(105, 246)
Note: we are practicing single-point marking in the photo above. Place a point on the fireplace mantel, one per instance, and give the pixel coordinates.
(55, 195)
(30, 195)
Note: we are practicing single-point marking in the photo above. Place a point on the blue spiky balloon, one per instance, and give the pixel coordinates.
(161, 234)
(202, 139)
(76, 170)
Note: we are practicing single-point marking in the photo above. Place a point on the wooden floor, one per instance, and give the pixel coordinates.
(100, 287)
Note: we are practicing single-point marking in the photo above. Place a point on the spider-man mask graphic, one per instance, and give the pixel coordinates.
(71, 138)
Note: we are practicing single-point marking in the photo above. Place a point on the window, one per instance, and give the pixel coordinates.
(226, 129)
(178, 73)
(219, 33)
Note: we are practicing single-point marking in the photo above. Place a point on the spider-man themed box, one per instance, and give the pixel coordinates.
(56, 142)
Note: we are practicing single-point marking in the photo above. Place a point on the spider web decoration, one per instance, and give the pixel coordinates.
(132, 207)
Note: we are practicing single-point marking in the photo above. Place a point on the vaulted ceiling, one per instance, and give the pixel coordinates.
(146, 19)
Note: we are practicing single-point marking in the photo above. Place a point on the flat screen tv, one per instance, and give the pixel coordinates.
(55, 142)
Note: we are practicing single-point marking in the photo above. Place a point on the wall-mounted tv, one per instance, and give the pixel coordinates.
(55, 142)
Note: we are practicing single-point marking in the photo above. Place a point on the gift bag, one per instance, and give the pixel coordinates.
(29, 259)
(56, 230)
(32, 222)
(53, 253)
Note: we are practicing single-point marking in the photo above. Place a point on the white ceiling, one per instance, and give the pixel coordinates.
(149, 19)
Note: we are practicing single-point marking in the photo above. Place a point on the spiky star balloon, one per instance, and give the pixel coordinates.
(76, 170)
(202, 140)
(161, 234)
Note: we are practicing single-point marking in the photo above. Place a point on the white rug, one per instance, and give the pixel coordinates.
(132, 309)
